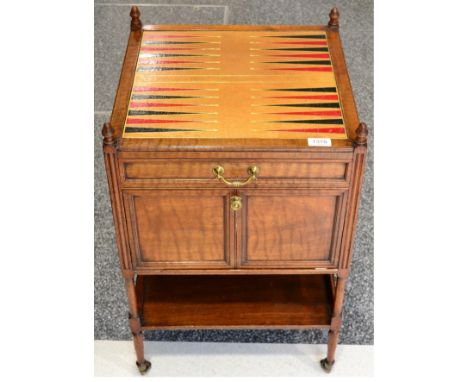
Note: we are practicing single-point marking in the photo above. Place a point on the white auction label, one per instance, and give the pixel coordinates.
(324, 142)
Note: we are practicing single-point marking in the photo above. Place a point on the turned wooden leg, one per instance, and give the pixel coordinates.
(135, 327)
(334, 332)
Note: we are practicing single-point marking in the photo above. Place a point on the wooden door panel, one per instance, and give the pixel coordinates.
(291, 229)
(179, 229)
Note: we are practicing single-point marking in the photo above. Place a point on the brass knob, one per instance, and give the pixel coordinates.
(236, 203)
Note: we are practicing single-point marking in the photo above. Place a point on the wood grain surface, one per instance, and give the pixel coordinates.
(179, 229)
(283, 229)
(234, 302)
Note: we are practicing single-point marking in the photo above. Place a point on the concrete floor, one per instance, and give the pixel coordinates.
(188, 359)
(111, 33)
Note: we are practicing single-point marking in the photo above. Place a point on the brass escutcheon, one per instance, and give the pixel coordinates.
(236, 203)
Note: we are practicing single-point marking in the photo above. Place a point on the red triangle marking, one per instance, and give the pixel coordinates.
(159, 104)
(324, 97)
(323, 113)
(323, 43)
(155, 37)
(155, 48)
(315, 69)
(156, 89)
(330, 130)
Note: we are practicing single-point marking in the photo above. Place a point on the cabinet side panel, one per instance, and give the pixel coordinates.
(110, 160)
(357, 176)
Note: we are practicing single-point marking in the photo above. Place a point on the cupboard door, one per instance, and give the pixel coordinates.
(173, 229)
(291, 228)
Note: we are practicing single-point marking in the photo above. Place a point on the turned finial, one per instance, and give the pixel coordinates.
(135, 24)
(361, 134)
(334, 18)
(108, 134)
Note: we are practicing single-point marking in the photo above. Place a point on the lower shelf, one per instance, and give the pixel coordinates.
(234, 302)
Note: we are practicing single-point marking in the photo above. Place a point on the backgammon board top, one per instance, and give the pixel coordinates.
(235, 82)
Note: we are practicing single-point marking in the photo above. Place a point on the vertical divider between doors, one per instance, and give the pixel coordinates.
(232, 218)
(238, 222)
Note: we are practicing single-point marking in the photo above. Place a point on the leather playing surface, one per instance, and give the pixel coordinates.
(234, 84)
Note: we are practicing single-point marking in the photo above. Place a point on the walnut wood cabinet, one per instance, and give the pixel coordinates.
(227, 215)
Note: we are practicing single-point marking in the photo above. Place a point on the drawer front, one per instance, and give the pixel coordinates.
(179, 229)
(291, 228)
(161, 172)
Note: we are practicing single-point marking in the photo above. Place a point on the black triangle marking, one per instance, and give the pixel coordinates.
(316, 62)
(318, 90)
(311, 36)
(301, 49)
(314, 121)
(153, 130)
(324, 105)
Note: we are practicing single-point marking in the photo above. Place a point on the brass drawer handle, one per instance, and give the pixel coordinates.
(218, 171)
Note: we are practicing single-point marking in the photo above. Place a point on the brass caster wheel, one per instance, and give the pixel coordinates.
(144, 367)
(327, 367)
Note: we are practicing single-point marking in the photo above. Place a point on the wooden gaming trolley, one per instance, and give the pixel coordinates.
(235, 159)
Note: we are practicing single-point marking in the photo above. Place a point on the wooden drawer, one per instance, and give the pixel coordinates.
(271, 172)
